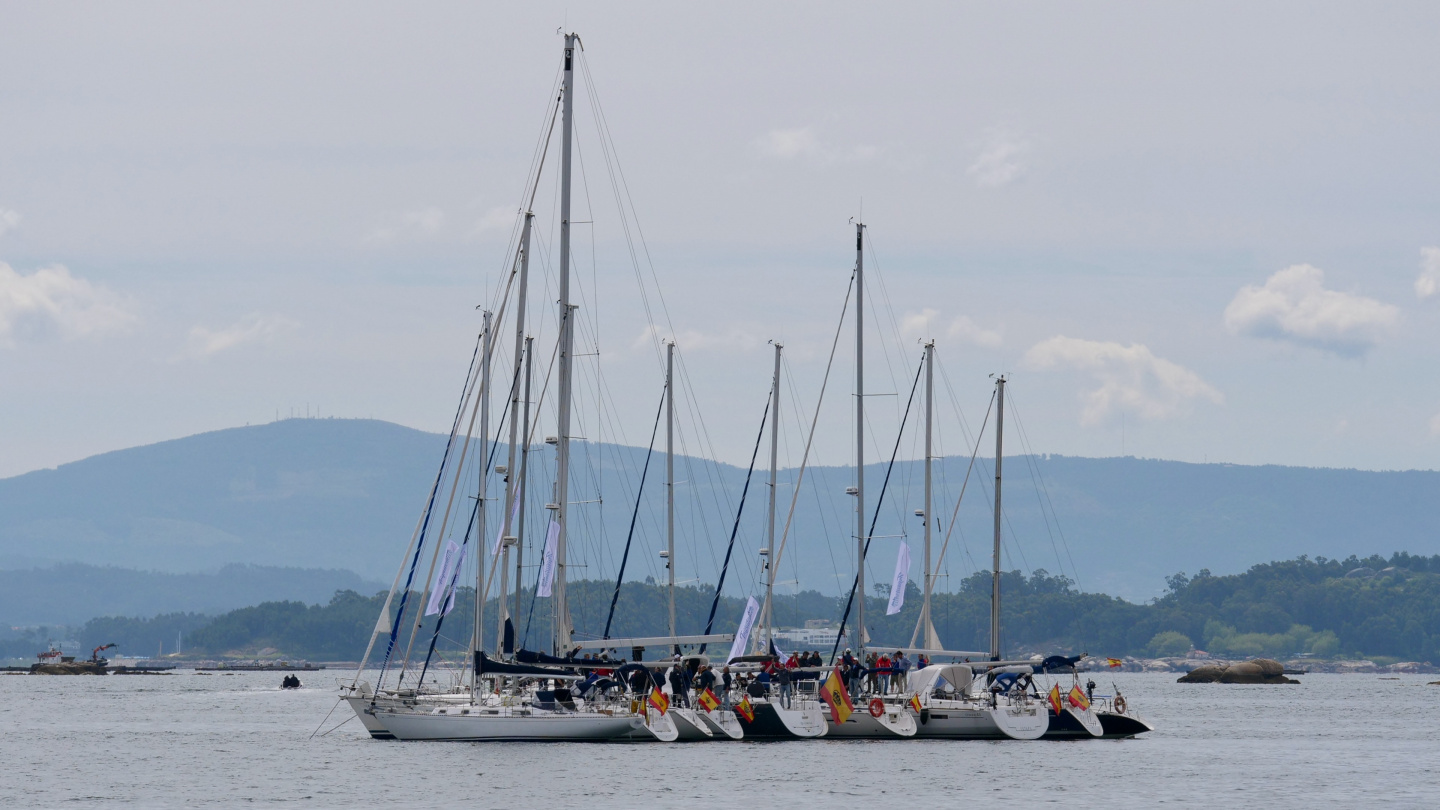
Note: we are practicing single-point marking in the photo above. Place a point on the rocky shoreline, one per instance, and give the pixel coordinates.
(1292, 666)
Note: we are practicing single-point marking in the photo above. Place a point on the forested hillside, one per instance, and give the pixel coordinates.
(332, 493)
(1385, 607)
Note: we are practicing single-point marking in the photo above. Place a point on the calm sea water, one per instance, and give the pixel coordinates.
(190, 740)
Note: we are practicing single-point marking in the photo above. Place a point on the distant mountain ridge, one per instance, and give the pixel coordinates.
(345, 494)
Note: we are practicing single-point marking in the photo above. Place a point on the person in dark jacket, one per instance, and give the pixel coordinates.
(677, 687)
(783, 678)
(726, 683)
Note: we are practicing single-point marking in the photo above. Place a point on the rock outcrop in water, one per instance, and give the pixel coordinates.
(1258, 670)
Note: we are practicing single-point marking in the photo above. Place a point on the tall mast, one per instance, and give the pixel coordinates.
(670, 477)
(995, 562)
(478, 637)
(567, 342)
(859, 630)
(511, 479)
(929, 455)
(524, 473)
(774, 469)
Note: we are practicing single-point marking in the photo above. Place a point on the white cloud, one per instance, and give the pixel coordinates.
(51, 301)
(255, 327)
(1428, 282)
(411, 225)
(999, 163)
(967, 330)
(922, 325)
(738, 338)
(501, 217)
(1132, 379)
(803, 143)
(9, 218)
(1294, 305)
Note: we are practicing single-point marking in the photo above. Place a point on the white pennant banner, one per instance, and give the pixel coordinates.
(902, 578)
(442, 591)
(742, 634)
(547, 563)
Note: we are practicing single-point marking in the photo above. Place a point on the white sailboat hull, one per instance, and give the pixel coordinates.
(805, 719)
(653, 727)
(976, 721)
(894, 722)
(691, 728)
(723, 725)
(503, 724)
(361, 707)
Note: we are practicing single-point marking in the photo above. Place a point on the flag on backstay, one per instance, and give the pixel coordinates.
(659, 701)
(915, 703)
(746, 710)
(742, 633)
(900, 580)
(442, 590)
(1078, 699)
(836, 697)
(708, 701)
(1054, 699)
(547, 562)
(1114, 663)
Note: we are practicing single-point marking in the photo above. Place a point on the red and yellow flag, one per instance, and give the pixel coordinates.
(659, 701)
(1054, 699)
(1114, 663)
(746, 710)
(835, 695)
(708, 701)
(1078, 699)
(915, 703)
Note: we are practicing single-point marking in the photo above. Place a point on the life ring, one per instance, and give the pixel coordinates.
(1119, 704)
(877, 707)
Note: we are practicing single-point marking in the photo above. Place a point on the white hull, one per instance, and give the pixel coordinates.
(723, 724)
(1087, 718)
(805, 719)
(974, 720)
(653, 727)
(691, 728)
(505, 724)
(894, 723)
(361, 706)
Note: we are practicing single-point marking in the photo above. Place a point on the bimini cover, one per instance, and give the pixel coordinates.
(956, 677)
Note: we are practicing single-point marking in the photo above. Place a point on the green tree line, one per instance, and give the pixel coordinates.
(1353, 607)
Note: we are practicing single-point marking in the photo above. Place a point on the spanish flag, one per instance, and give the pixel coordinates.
(708, 701)
(1054, 699)
(915, 703)
(1114, 663)
(1078, 699)
(834, 693)
(659, 701)
(746, 710)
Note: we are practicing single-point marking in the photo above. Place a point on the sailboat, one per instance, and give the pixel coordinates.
(545, 709)
(955, 704)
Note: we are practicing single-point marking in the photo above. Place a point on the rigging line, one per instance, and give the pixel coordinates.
(940, 560)
(875, 516)
(617, 180)
(425, 521)
(639, 492)
(779, 552)
(819, 505)
(1025, 437)
(735, 528)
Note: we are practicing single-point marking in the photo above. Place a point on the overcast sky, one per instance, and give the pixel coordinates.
(1208, 232)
